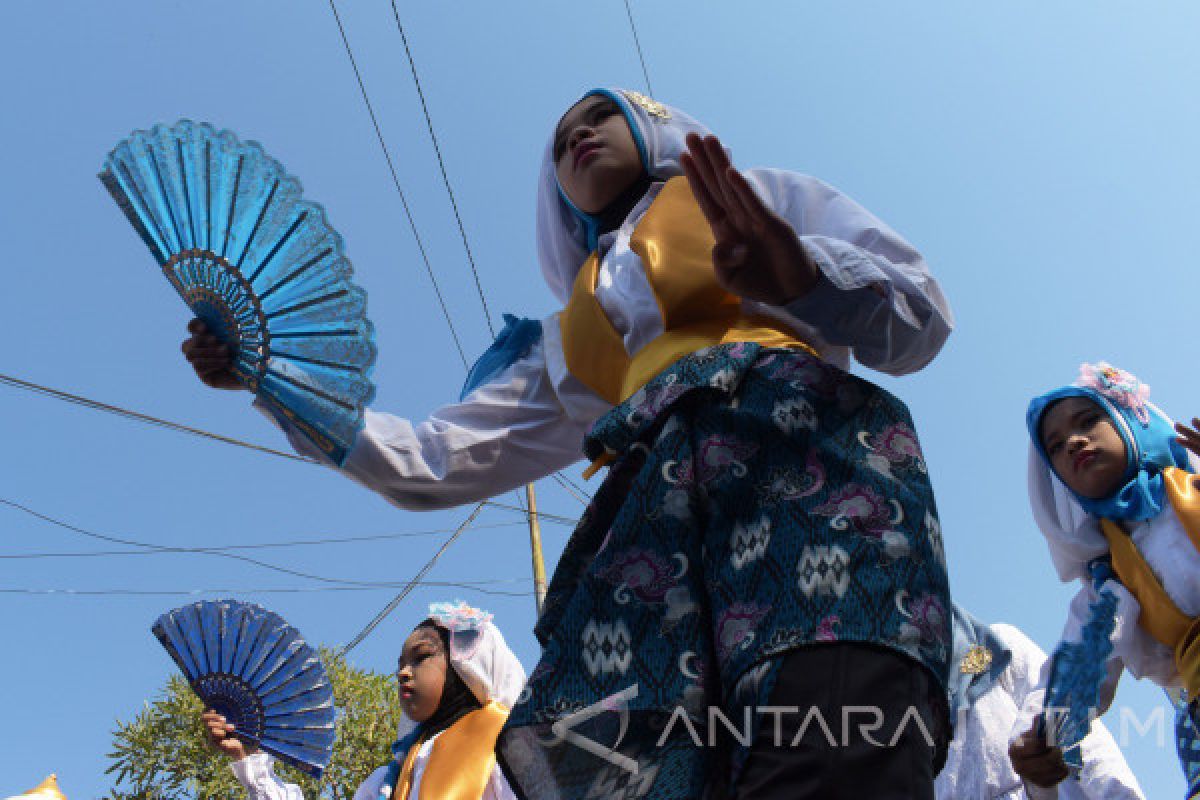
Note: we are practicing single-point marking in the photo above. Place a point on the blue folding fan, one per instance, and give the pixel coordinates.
(249, 665)
(259, 265)
(1078, 670)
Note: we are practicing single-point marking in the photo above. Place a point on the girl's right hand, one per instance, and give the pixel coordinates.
(1036, 761)
(212, 361)
(221, 738)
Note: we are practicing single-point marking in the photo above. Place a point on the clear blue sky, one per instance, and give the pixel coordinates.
(1041, 155)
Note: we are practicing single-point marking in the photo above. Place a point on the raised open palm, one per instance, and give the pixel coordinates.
(757, 254)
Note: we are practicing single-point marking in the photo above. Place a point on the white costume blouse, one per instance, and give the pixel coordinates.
(257, 775)
(977, 763)
(875, 300)
(1075, 538)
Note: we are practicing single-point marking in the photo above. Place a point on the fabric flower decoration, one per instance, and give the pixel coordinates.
(1121, 387)
(459, 616)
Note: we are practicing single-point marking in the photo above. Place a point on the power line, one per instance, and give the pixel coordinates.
(208, 551)
(487, 315)
(391, 606)
(467, 585)
(637, 43)
(96, 405)
(255, 545)
(137, 416)
(396, 181)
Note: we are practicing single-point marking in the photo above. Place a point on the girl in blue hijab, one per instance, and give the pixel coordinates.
(1110, 480)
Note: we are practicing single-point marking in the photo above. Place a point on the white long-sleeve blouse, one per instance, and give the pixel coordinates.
(875, 300)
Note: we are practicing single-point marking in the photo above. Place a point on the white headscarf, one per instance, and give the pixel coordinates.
(479, 654)
(659, 131)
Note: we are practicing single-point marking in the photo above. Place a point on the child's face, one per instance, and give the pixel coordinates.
(1084, 447)
(421, 673)
(595, 156)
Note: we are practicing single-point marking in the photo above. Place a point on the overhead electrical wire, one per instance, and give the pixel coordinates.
(466, 585)
(391, 606)
(252, 546)
(638, 44)
(137, 416)
(396, 181)
(487, 314)
(96, 405)
(217, 553)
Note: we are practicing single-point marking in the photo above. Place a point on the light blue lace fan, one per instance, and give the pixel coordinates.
(259, 264)
(1078, 670)
(250, 666)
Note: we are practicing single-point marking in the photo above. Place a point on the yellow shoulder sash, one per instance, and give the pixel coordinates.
(461, 761)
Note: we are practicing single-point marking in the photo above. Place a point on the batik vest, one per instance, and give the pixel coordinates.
(674, 242)
(1160, 617)
(461, 761)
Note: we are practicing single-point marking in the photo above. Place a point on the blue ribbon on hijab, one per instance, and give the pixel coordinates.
(1149, 448)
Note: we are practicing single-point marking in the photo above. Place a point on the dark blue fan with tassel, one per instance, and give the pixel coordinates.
(249, 665)
(259, 265)
(1077, 672)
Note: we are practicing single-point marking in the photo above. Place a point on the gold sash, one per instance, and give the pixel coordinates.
(461, 761)
(1160, 617)
(674, 242)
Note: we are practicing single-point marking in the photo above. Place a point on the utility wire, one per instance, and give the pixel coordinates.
(253, 546)
(637, 43)
(136, 416)
(396, 181)
(390, 607)
(469, 586)
(96, 405)
(487, 315)
(220, 554)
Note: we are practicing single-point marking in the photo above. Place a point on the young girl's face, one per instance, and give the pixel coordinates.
(1084, 447)
(421, 673)
(595, 155)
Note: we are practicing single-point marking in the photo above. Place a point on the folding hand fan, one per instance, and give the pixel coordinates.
(250, 666)
(1077, 671)
(259, 265)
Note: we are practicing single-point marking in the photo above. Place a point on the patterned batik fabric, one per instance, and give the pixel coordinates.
(1187, 744)
(761, 500)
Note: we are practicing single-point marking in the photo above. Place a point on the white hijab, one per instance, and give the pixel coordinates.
(479, 654)
(658, 129)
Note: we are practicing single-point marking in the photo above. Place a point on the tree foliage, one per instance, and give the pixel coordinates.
(163, 752)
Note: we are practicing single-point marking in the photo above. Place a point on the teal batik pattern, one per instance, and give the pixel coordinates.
(761, 500)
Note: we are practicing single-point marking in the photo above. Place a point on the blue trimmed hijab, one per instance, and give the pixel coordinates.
(1150, 443)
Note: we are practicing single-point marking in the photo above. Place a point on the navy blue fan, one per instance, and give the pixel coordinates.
(249, 665)
(259, 265)
(1077, 672)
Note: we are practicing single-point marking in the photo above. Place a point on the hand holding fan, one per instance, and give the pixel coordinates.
(259, 265)
(250, 666)
(1077, 672)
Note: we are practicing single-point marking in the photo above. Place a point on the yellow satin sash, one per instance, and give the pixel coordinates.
(461, 761)
(1160, 617)
(674, 242)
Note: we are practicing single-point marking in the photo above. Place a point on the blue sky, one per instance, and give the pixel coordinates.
(1042, 157)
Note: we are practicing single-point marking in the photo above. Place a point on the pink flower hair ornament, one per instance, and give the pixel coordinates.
(1121, 388)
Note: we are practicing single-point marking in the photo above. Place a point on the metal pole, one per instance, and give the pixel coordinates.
(535, 547)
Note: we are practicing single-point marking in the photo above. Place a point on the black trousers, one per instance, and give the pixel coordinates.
(868, 724)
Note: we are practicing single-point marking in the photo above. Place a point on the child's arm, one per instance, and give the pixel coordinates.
(253, 768)
(1105, 773)
(875, 294)
(787, 240)
(508, 432)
